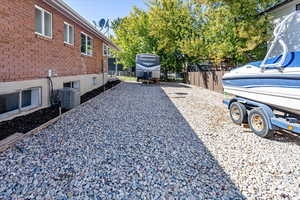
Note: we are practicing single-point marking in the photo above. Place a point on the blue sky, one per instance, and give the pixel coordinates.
(97, 9)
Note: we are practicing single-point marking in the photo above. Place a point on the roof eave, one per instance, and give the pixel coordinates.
(66, 10)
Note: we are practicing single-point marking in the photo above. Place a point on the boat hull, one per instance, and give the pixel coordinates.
(285, 99)
(274, 81)
(277, 89)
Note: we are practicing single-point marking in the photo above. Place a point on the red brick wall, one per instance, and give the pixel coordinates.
(24, 55)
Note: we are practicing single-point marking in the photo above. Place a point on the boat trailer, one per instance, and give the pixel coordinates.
(260, 117)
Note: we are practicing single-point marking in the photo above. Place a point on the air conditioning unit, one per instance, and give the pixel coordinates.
(69, 98)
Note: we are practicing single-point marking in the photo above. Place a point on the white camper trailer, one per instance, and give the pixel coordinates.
(147, 67)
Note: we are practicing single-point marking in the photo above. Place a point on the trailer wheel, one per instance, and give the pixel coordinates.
(238, 113)
(258, 123)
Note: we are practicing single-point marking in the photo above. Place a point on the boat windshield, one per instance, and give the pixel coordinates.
(285, 44)
(290, 35)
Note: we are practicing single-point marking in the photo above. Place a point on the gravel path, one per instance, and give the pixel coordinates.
(260, 168)
(150, 142)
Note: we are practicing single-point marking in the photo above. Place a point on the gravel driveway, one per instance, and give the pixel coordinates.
(150, 142)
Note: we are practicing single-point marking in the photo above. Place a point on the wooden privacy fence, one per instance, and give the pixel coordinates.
(211, 80)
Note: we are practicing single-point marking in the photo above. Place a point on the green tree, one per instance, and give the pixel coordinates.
(160, 31)
(132, 35)
(171, 23)
(193, 31)
(231, 31)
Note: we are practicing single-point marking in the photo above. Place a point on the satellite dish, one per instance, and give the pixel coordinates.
(107, 24)
(95, 23)
(102, 23)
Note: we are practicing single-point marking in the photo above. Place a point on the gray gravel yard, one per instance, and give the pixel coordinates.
(167, 141)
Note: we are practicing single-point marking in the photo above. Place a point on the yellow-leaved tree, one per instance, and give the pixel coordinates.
(231, 31)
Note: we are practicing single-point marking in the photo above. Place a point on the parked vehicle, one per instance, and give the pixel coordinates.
(147, 67)
(266, 94)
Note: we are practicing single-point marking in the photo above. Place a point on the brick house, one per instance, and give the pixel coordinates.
(42, 39)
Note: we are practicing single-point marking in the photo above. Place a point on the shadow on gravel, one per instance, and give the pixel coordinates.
(181, 93)
(281, 136)
(174, 85)
(132, 144)
(192, 171)
(287, 137)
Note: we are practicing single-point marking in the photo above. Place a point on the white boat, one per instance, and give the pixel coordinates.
(275, 81)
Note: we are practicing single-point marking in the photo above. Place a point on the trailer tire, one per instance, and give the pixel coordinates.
(258, 123)
(238, 113)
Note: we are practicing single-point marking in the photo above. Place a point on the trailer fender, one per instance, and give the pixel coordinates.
(266, 109)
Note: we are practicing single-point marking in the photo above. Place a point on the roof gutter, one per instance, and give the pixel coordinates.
(69, 12)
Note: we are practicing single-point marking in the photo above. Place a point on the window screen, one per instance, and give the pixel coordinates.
(38, 21)
(83, 44)
(48, 22)
(26, 98)
(89, 46)
(66, 33)
(9, 102)
(71, 34)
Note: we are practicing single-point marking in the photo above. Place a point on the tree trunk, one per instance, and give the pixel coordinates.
(185, 73)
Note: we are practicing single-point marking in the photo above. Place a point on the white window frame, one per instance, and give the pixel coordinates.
(73, 83)
(31, 106)
(68, 33)
(20, 108)
(86, 44)
(43, 11)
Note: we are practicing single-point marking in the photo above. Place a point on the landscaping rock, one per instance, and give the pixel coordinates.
(167, 141)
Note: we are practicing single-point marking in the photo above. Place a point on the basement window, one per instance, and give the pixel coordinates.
(68, 33)
(72, 84)
(14, 103)
(298, 6)
(86, 44)
(30, 98)
(9, 103)
(43, 22)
